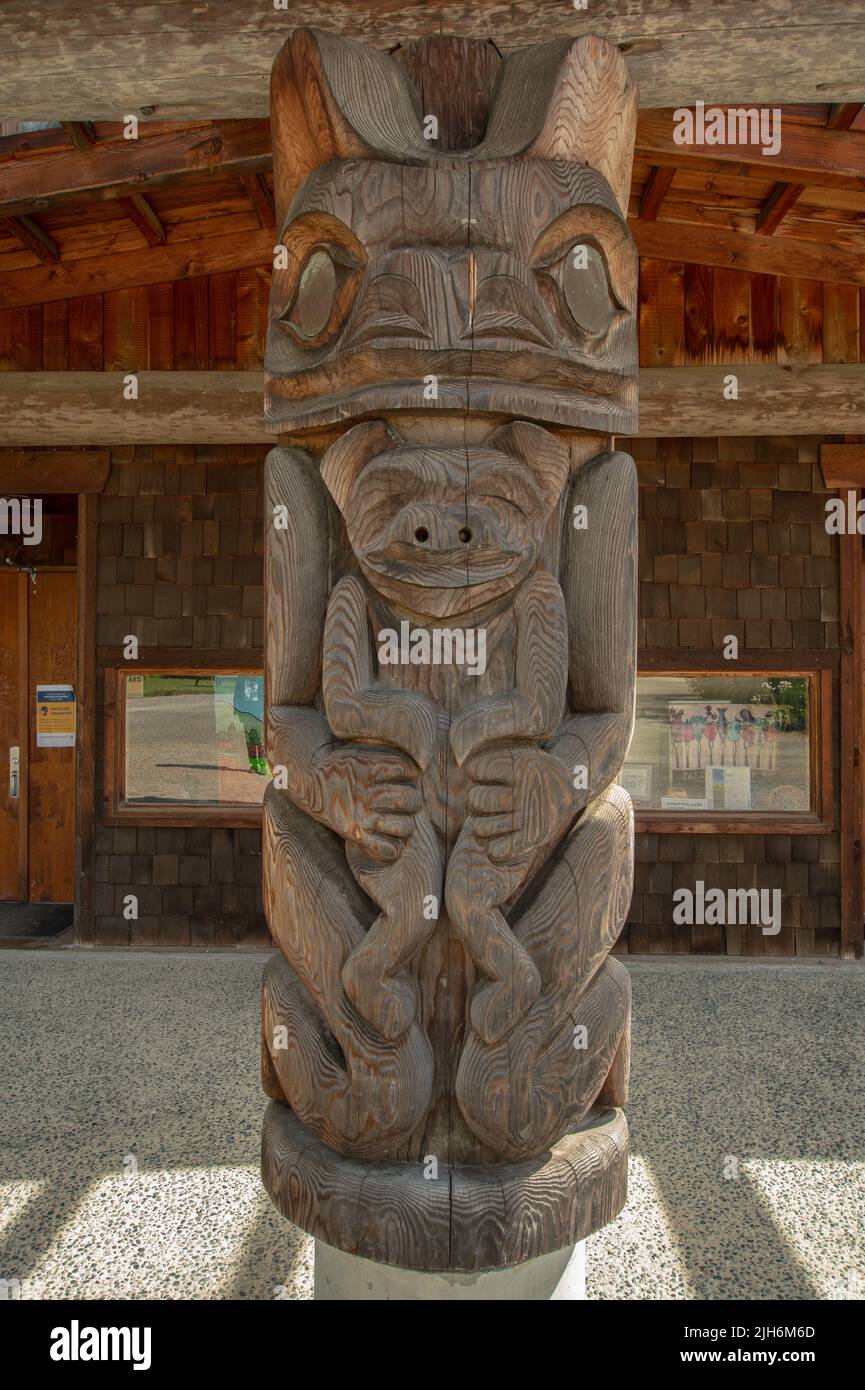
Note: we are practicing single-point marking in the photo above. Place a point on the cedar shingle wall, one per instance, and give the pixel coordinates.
(733, 540)
(180, 565)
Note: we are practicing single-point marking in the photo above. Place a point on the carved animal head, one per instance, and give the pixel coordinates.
(505, 273)
(444, 530)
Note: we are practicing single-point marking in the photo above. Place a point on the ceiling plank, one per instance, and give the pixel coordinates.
(31, 236)
(180, 260)
(142, 216)
(227, 407)
(109, 170)
(776, 207)
(812, 260)
(260, 197)
(214, 60)
(655, 191)
(809, 154)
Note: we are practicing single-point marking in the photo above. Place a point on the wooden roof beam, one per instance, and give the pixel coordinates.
(843, 115)
(655, 191)
(119, 168)
(80, 133)
(776, 207)
(63, 408)
(686, 241)
(211, 61)
(178, 260)
(260, 197)
(809, 154)
(784, 195)
(30, 235)
(142, 216)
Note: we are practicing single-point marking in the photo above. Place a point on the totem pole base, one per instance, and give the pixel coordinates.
(386, 1221)
(347, 1278)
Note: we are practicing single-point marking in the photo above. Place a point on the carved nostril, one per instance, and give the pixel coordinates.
(421, 534)
(465, 535)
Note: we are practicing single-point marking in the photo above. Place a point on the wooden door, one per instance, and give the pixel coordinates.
(37, 826)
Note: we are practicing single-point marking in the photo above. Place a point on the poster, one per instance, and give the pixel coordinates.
(728, 788)
(55, 716)
(637, 780)
(730, 734)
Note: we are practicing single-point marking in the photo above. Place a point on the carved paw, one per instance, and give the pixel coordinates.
(521, 797)
(371, 797)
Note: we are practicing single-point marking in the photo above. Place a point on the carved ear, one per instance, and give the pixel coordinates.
(343, 461)
(334, 99)
(569, 99)
(540, 453)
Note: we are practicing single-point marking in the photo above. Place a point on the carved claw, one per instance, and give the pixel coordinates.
(469, 731)
(389, 1006)
(498, 1006)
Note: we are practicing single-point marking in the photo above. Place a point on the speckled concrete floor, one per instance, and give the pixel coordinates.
(129, 1133)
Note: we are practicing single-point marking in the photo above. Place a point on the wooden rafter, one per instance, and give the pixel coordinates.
(120, 168)
(81, 134)
(813, 260)
(30, 235)
(776, 207)
(809, 154)
(843, 115)
(175, 261)
(785, 195)
(260, 198)
(655, 192)
(136, 207)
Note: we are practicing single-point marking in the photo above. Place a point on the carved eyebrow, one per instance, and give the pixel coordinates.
(397, 476)
(592, 222)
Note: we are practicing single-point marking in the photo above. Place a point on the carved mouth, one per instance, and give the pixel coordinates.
(456, 567)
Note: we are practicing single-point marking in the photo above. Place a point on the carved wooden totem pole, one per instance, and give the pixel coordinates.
(451, 616)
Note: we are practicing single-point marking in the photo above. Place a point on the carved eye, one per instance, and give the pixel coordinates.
(318, 286)
(586, 288)
(313, 303)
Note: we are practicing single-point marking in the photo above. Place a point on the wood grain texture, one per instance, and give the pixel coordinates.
(67, 408)
(214, 61)
(450, 651)
(469, 1217)
(53, 470)
(126, 167)
(776, 255)
(201, 255)
(423, 288)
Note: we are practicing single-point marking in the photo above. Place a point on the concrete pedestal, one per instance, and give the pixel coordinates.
(349, 1278)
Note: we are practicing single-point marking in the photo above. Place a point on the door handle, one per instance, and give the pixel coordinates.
(14, 763)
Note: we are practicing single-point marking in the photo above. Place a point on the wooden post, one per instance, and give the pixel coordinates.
(451, 620)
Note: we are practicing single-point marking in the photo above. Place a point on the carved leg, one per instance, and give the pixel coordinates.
(474, 890)
(408, 892)
(358, 1091)
(522, 1093)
